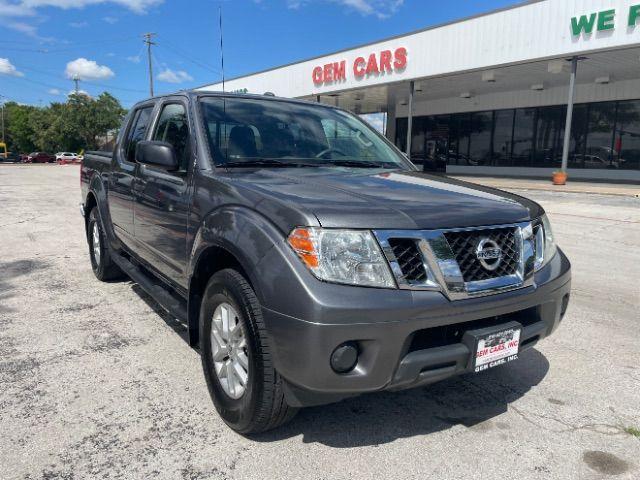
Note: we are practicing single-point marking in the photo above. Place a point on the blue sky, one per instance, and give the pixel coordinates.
(43, 43)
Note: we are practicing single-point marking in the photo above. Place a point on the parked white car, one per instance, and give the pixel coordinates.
(64, 157)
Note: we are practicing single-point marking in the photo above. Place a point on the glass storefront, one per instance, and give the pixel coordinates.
(604, 135)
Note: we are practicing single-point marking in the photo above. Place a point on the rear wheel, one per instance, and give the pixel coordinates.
(236, 358)
(101, 263)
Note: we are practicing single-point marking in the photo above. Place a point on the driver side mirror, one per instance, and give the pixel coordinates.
(157, 154)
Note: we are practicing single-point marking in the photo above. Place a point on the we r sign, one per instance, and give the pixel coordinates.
(602, 21)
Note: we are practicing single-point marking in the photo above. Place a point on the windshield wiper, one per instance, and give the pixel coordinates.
(263, 162)
(354, 164)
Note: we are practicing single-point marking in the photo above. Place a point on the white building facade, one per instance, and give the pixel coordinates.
(489, 94)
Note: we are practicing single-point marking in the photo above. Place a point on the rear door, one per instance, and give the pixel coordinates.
(162, 198)
(123, 170)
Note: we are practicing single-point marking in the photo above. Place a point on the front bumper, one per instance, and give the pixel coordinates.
(405, 338)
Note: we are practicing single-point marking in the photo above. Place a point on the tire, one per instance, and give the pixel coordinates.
(101, 263)
(261, 406)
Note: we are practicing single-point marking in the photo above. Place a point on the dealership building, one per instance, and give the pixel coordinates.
(489, 95)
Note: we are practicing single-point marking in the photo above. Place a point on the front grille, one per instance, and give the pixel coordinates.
(409, 259)
(464, 244)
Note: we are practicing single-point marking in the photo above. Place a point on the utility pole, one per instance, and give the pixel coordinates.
(76, 81)
(2, 101)
(147, 40)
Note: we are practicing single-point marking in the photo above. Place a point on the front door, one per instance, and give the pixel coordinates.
(162, 197)
(120, 197)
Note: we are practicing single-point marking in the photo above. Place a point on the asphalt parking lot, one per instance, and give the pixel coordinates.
(97, 382)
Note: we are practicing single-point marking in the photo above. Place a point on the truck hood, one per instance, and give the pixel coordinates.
(383, 199)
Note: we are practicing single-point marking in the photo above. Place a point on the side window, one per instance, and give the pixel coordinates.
(172, 128)
(136, 132)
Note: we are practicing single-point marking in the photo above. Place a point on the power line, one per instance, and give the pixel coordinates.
(49, 85)
(71, 47)
(147, 40)
(185, 56)
(50, 73)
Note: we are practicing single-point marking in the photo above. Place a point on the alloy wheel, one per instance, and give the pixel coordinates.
(96, 243)
(229, 350)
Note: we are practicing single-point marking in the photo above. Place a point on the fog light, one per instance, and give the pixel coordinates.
(344, 357)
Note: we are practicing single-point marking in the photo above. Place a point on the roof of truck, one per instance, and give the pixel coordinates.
(216, 93)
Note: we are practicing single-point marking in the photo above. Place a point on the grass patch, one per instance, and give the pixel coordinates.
(633, 431)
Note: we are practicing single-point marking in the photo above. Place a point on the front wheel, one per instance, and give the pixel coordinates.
(236, 358)
(101, 263)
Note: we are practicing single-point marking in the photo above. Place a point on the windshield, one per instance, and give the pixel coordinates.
(249, 132)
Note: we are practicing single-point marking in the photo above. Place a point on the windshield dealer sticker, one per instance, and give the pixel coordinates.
(497, 348)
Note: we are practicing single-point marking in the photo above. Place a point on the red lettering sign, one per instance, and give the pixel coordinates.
(401, 58)
(372, 64)
(358, 67)
(339, 71)
(384, 62)
(317, 75)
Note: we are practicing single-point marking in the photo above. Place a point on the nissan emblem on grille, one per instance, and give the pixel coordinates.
(489, 254)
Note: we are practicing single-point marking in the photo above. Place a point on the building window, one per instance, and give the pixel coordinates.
(626, 149)
(579, 130)
(502, 138)
(603, 135)
(480, 138)
(401, 134)
(599, 141)
(523, 136)
(549, 134)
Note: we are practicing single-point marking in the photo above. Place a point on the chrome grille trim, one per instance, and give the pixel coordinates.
(442, 268)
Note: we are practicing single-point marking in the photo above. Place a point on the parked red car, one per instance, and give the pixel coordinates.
(40, 157)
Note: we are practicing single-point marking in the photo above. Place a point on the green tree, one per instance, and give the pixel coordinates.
(92, 118)
(73, 125)
(18, 128)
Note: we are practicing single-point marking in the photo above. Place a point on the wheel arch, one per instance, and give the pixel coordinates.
(232, 237)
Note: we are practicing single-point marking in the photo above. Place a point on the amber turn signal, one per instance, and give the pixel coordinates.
(301, 240)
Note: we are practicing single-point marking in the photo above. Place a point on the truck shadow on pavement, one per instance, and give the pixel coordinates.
(473, 401)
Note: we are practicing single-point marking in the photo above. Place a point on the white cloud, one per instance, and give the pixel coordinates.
(134, 59)
(7, 68)
(177, 76)
(54, 91)
(15, 10)
(78, 24)
(137, 6)
(379, 8)
(110, 20)
(25, 28)
(87, 70)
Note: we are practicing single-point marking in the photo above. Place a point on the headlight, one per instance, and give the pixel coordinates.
(545, 244)
(352, 257)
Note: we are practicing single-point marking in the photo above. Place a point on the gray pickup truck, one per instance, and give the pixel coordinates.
(308, 258)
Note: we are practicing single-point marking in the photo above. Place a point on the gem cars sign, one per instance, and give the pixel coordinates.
(384, 62)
